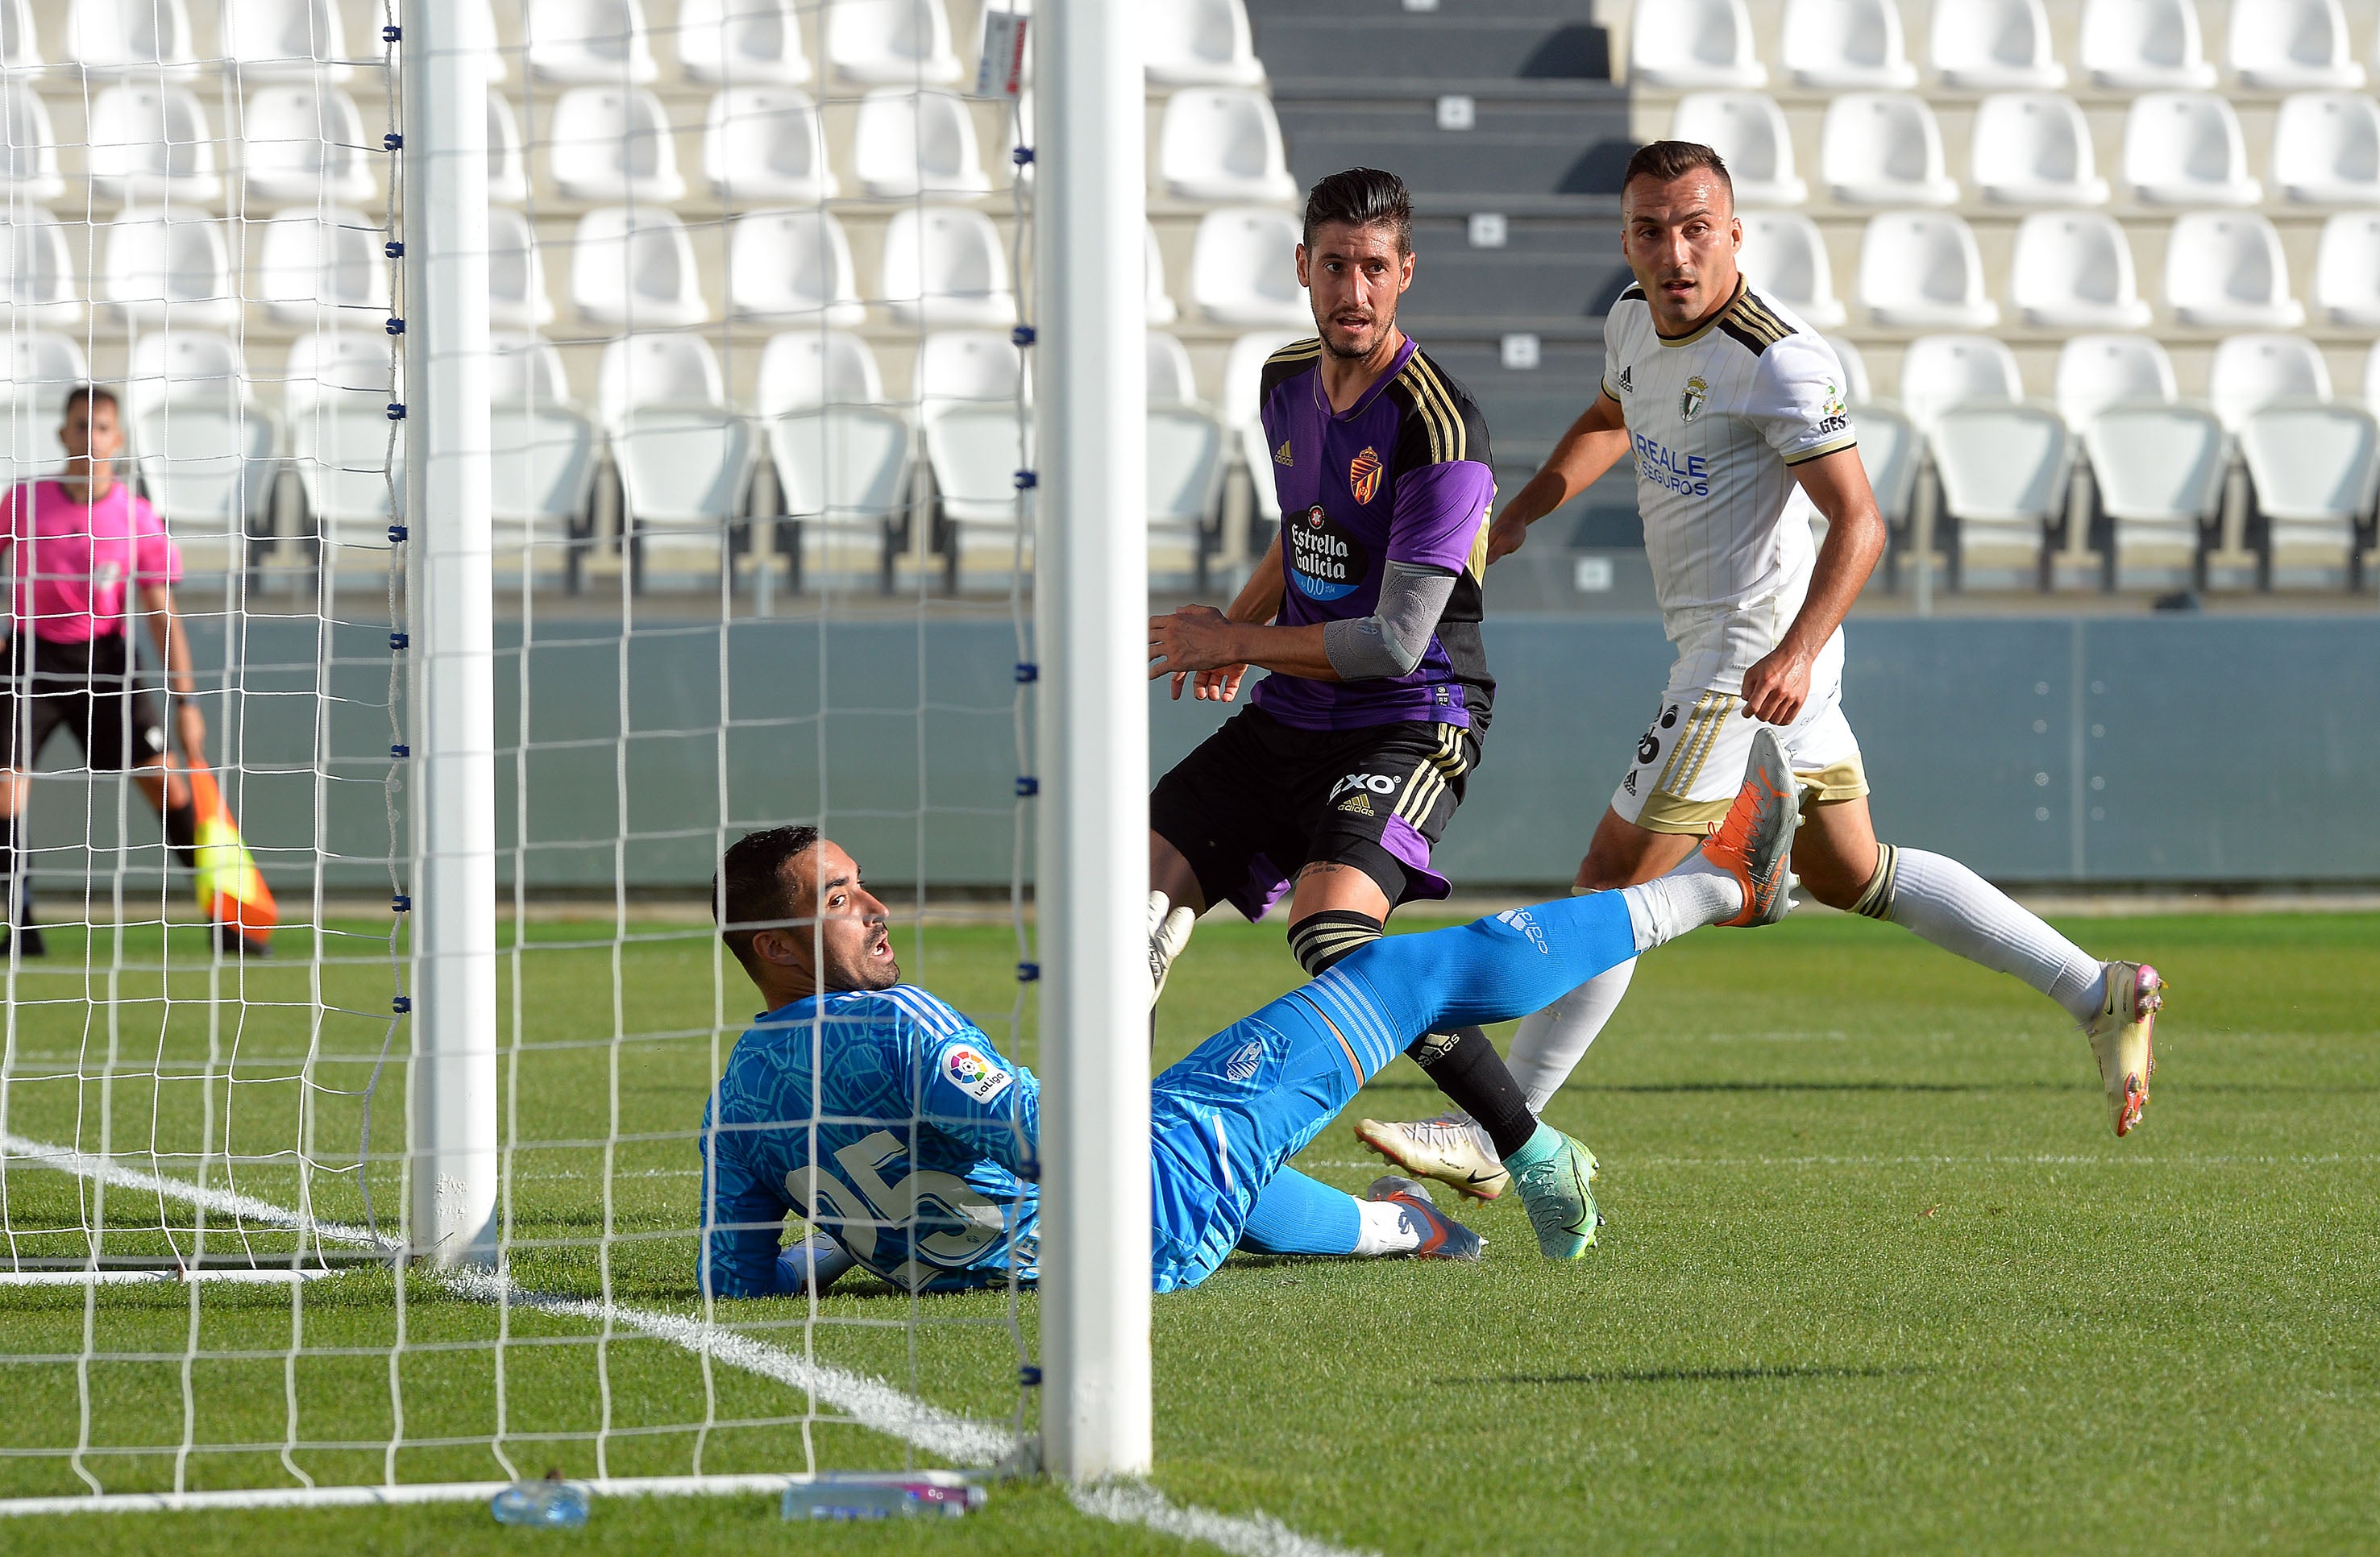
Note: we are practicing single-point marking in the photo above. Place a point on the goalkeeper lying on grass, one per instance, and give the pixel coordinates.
(917, 1161)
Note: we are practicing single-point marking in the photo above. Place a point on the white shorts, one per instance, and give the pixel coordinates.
(1689, 764)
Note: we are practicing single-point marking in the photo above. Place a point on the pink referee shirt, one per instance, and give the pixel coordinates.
(75, 565)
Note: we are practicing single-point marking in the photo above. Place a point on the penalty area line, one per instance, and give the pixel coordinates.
(871, 1403)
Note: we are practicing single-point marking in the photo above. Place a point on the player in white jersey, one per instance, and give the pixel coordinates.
(1734, 410)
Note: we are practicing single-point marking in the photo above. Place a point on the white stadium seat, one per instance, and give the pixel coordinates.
(657, 367)
(29, 164)
(507, 166)
(792, 265)
(1243, 269)
(1187, 454)
(2004, 470)
(765, 143)
(523, 365)
(1693, 44)
(130, 36)
(2347, 270)
(42, 365)
(2291, 45)
(635, 266)
(906, 42)
(683, 456)
(1940, 371)
(2159, 469)
(42, 286)
(804, 369)
(517, 293)
(175, 268)
(2314, 467)
(907, 143)
(183, 365)
(2144, 45)
(1857, 388)
(301, 38)
(1993, 45)
(1242, 376)
(201, 441)
(945, 267)
(1786, 257)
(2327, 149)
(300, 141)
(2250, 372)
(541, 478)
(2184, 148)
(2073, 270)
(314, 262)
(1748, 131)
(1198, 43)
(598, 41)
(1921, 270)
(612, 143)
(1845, 44)
(749, 42)
(1890, 449)
(2225, 270)
(480, 26)
(2097, 371)
(2034, 148)
(1169, 379)
(1884, 148)
(975, 453)
(336, 398)
(843, 471)
(963, 367)
(150, 141)
(20, 48)
(1222, 143)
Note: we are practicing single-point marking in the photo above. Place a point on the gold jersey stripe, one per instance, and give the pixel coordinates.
(1458, 441)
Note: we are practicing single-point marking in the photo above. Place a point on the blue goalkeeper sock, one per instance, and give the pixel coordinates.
(1294, 1214)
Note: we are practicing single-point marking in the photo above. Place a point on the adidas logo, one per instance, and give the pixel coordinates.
(1281, 455)
(1526, 922)
(1627, 383)
(1361, 805)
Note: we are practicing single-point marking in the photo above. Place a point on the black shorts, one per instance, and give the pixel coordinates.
(90, 688)
(1259, 799)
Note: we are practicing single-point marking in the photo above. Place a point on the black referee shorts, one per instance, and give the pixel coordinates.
(88, 687)
(1259, 799)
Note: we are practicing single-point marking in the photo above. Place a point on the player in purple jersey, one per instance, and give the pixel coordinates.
(1338, 780)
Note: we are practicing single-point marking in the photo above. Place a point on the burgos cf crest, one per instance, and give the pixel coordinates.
(1363, 475)
(1690, 400)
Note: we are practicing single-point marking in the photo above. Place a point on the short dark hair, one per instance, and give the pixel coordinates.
(1362, 197)
(751, 890)
(92, 392)
(1666, 160)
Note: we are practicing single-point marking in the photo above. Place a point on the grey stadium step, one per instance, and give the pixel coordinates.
(1519, 156)
(1304, 40)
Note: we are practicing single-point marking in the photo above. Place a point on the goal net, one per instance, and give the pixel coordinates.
(355, 1151)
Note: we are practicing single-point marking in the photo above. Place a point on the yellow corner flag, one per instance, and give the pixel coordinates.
(230, 890)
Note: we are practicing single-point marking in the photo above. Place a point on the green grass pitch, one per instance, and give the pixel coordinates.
(1877, 1277)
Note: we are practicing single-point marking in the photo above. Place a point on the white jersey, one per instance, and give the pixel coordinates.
(1716, 419)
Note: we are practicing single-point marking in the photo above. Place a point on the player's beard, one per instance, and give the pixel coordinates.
(1381, 325)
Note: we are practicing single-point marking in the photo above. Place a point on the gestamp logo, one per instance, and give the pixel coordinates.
(1363, 475)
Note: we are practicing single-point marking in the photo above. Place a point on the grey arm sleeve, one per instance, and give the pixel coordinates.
(1390, 642)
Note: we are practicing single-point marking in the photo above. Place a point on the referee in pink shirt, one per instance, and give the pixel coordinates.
(86, 548)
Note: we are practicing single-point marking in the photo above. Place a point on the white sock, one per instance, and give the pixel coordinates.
(1689, 897)
(1551, 1042)
(1941, 900)
(1388, 1228)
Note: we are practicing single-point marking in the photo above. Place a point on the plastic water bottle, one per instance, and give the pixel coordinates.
(548, 1502)
(849, 1497)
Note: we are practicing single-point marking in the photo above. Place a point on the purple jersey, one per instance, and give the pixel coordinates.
(1401, 475)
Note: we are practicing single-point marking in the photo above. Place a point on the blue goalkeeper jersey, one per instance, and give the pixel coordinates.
(909, 1154)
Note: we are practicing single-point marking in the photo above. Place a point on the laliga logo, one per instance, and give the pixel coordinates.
(1363, 475)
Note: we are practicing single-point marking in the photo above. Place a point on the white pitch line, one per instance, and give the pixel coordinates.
(871, 1402)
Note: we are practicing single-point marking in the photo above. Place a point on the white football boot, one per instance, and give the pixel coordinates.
(1448, 1148)
(2120, 1036)
(1169, 932)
